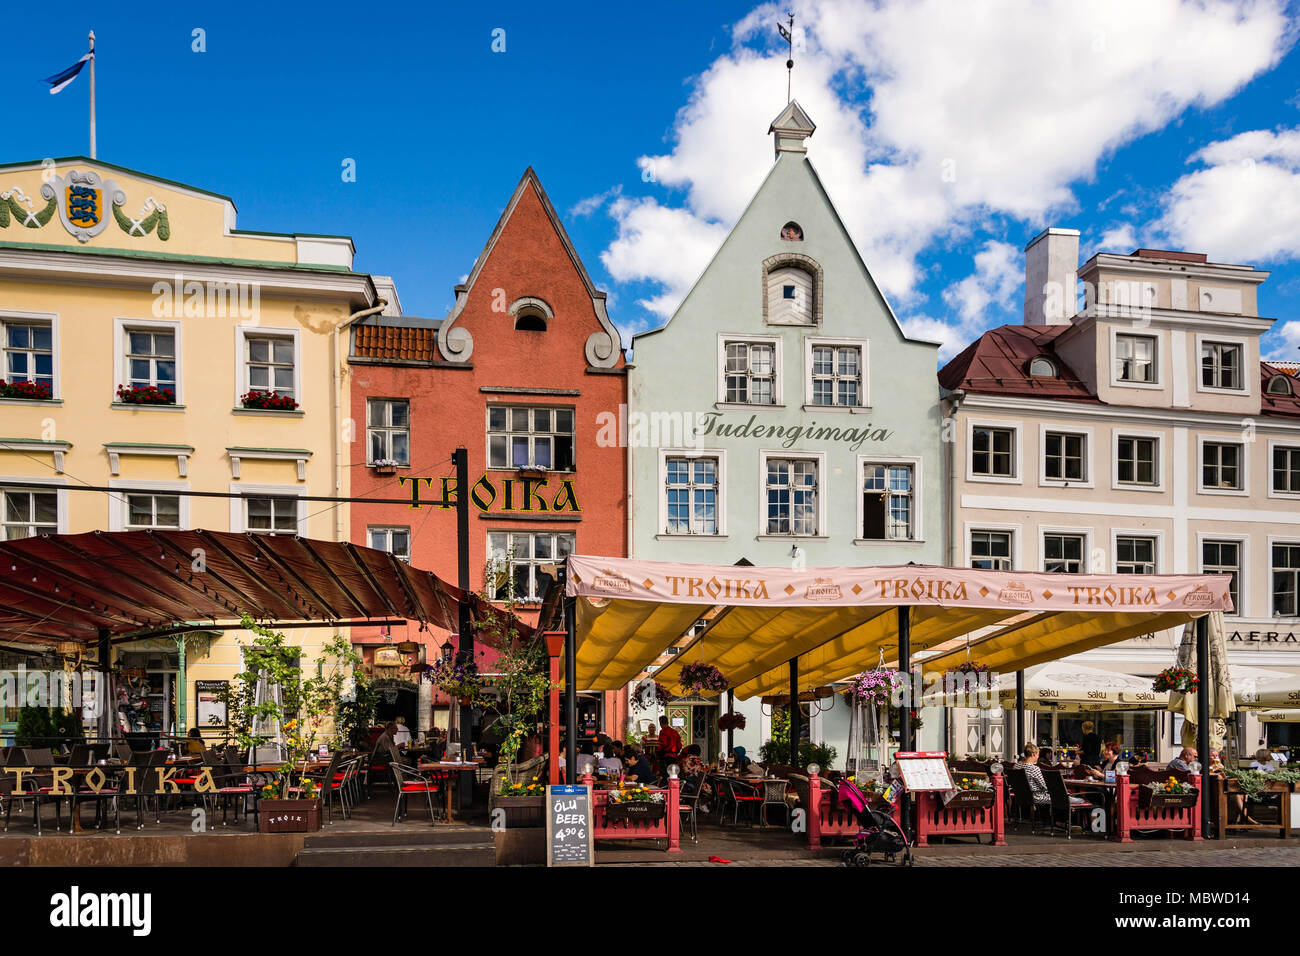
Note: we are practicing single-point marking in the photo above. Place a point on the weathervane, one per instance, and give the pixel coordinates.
(788, 33)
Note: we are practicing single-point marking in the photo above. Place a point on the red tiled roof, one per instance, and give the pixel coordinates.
(1288, 405)
(997, 363)
(395, 342)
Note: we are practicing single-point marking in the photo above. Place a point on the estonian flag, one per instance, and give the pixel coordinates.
(59, 80)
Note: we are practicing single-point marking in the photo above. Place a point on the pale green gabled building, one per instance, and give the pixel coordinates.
(782, 415)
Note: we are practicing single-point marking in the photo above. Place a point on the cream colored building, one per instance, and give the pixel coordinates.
(1130, 426)
(112, 282)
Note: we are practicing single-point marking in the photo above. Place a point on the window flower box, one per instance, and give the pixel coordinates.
(268, 400)
(36, 391)
(145, 395)
(385, 466)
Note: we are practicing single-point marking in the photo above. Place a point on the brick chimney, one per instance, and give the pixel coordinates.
(1051, 266)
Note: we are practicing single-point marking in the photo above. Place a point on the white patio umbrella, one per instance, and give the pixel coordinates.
(1280, 716)
(1257, 689)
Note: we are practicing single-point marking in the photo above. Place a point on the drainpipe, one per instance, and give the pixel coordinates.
(336, 381)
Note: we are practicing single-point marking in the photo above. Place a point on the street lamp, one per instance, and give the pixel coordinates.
(447, 650)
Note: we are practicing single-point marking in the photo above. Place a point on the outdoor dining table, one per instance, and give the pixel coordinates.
(1107, 791)
(452, 771)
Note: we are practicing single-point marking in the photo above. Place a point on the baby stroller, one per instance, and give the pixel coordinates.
(879, 833)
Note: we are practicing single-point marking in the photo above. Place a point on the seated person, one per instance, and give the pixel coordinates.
(1037, 782)
(742, 761)
(586, 761)
(402, 735)
(194, 743)
(753, 770)
(1183, 761)
(692, 763)
(638, 768)
(1216, 762)
(1264, 761)
(613, 758)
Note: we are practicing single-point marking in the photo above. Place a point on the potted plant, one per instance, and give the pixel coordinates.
(35, 391)
(635, 803)
(298, 706)
(972, 793)
(145, 395)
(385, 466)
(649, 695)
(268, 400)
(524, 803)
(732, 720)
(1171, 794)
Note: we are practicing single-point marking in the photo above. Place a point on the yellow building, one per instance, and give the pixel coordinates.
(143, 336)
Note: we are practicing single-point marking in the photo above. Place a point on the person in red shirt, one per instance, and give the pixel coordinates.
(670, 742)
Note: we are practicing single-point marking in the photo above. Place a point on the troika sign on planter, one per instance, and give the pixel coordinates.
(568, 826)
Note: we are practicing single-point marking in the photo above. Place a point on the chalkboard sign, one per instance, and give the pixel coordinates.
(568, 826)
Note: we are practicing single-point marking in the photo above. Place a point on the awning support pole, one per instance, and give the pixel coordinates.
(1020, 714)
(570, 687)
(905, 742)
(1203, 714)
(796, 731)
(108, 708)
(460, 458)
(731, 733)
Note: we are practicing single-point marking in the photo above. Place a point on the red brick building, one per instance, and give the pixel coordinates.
(517, 374)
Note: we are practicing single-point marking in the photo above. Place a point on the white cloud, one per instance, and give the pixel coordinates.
(930, 119)
(585, 207)
(1287, 342)
(1244, 206)
(988, 296)
(1121, 239)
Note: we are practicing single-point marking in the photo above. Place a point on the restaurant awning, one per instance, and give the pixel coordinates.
(841, 621)
(1257, 688)
(59, 587)
(1059, 685)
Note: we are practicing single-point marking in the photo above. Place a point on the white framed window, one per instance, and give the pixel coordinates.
(388, 430)
(28, 342)
(516, 559)
(1064, 551)
(1284, 470)
(148, 354)
(268, 509)
(793, 503)
(151, 505)
(889, 506)
(25, 513)
(691, 500)
(1222, 364)
(1284, 568)
(1135, 360)
(1136, 461)
(522, 436)
(994, 453)
(835, 373)
(1135, 553)
(1065, 456)
(268, 360)
(991, 548)
(749, 370)
(1223, 467)
(395, 540)
(1224, 554)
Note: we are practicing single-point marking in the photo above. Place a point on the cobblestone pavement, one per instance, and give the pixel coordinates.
(1245, 856)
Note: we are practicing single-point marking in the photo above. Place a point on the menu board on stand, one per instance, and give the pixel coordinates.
(924, 770)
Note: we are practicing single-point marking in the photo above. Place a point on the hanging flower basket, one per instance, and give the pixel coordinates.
(697, 677)
(732, 720)
(456, 678)
(649, 695)
(875, 687)
(1178, 679)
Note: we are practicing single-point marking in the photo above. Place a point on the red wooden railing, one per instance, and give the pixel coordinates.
(827, 819)
(1129, 816)
(667, 827)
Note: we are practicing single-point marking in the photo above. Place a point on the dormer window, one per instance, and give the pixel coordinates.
(531, 314)
(792, 232)
(1280, 385)
(1042, 367)
(792, 292)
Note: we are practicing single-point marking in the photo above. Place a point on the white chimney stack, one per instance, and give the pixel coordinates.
(1051, 268)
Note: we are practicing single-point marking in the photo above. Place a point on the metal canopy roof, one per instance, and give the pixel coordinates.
(70, 587)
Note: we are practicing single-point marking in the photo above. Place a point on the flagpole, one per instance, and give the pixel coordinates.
(92, 94)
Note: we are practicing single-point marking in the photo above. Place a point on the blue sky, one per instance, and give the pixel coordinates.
(948, 134)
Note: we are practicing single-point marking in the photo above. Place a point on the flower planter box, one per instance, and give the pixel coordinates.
(288, 816)
(522, 812)
(969, 800)
(385, 469)
(1149, 799)
(634, 811)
